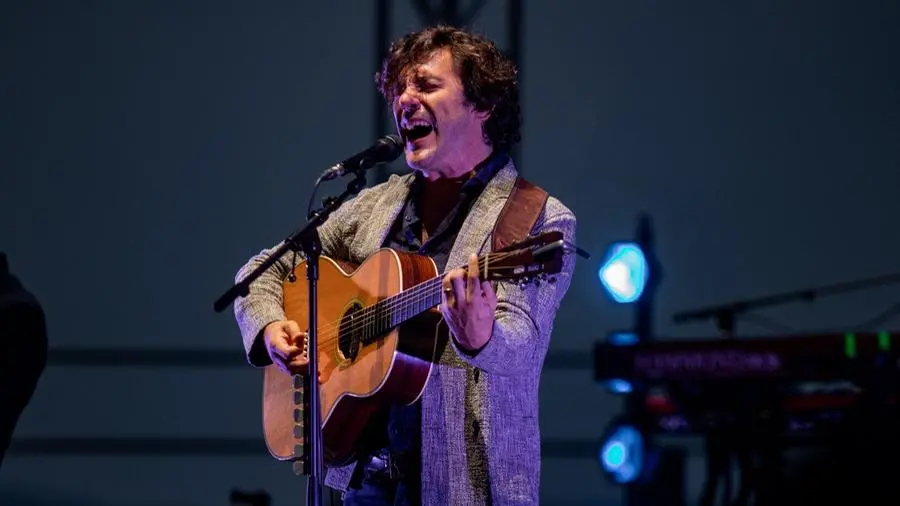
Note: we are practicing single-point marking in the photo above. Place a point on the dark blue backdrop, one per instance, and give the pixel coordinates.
(148, 148)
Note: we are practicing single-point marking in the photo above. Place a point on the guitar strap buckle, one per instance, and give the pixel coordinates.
(388, 465)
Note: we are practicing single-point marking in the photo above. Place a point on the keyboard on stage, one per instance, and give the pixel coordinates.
(695, 385)
(797, 357)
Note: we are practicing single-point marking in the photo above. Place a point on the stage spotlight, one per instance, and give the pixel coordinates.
(622, 338)
(625, 272)
(621, 454)
(618, 385)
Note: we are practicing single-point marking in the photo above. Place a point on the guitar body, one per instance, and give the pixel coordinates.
(360, 374)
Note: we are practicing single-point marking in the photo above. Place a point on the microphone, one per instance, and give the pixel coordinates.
(385, 149)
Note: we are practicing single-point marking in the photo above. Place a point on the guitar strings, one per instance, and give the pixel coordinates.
(419, 293)
(359, 325)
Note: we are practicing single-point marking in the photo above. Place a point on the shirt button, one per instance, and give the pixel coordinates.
(408, 218)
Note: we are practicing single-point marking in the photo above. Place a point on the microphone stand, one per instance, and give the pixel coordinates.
(726, 314)
(306, 239)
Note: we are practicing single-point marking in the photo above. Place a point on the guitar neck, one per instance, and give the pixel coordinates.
(393, 311)
(376, 320)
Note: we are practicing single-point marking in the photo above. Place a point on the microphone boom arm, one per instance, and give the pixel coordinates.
(727, 312)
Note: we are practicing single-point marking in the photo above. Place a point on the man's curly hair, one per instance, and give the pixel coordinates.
(488, 77)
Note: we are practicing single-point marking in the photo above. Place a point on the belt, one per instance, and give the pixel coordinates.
(389, 465)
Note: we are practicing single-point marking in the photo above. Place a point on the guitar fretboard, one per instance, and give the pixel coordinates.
(379, 318)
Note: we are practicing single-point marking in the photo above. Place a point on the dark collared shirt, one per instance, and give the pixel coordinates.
(406, 233)
(404, 422)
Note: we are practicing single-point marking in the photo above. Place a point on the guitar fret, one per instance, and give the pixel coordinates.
(365, 324)
(404, 310)
(386, 314)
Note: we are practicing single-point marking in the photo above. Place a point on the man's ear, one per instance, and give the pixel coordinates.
(485, 114)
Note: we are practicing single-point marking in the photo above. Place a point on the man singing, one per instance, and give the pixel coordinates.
(473, 436)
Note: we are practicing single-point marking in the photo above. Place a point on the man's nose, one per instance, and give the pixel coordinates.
(408, 101)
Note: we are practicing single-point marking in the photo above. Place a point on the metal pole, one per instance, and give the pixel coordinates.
(382, 39)
(514, 51)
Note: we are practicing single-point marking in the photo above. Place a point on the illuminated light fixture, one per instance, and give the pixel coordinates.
(622, 454)
(618, 385)
(625, 272)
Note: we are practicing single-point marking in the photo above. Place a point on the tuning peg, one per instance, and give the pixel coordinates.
(535, 280)
(570, 247)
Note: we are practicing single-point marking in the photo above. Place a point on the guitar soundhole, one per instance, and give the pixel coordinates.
(351, 334)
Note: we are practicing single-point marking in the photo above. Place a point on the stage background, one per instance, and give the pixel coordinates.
(149, 148)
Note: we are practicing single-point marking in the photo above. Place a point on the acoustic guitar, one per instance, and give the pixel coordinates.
(380, 332)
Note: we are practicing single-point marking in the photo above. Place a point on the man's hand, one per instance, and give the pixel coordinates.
(285, 344)
(468, 304)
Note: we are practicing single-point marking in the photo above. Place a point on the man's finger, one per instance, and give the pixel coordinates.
(293, 331)
(472, 283)
(458, 295)
(447, 289)
(488, 290)
(446, 296)
(283, 348)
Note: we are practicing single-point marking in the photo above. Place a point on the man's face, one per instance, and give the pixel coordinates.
(442, 132)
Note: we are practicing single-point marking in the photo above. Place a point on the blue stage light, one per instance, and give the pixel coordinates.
(622, 338)
(617, 385)
(625, 272)
(622, 454)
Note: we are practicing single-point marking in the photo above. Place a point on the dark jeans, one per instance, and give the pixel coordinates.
(377, 486)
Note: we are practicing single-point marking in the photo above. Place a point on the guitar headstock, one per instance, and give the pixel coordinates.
(533, 260)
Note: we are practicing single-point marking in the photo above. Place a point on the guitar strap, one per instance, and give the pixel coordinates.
(519, 214)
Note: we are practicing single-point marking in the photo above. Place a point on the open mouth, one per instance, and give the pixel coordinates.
(416, 132)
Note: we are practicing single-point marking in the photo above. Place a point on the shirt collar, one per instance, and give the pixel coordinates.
(484, 172)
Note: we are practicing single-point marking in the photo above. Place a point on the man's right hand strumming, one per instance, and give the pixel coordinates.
(285, 343)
